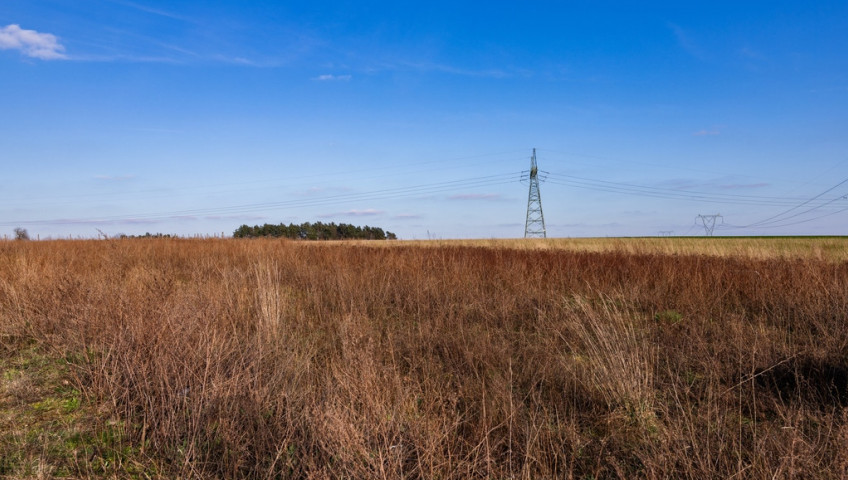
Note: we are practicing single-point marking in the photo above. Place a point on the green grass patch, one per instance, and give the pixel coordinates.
(48, 429)
(669, 316)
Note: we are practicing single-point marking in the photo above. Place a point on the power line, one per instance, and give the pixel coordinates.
(629, 162)
(795, 223)
(635, 163)
(705, 197)
(386, 171)
(779, 220)
(383, 194)
(775, 219)
(665, 193)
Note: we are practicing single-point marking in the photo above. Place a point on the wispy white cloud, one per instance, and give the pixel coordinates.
(476, 196)
(426, 66)
(744, 186)
(235, 217)
(239, 61)
(369, 212)
(363, 213)
(44, 46)
(312, 191)
(125, 58)
(721, 183)
(243, 61)
(750, 53)
(146, 221)
(330, 78)
(445, 68)
(584, 224)
(638, 213)
(85, 221)
(684, 40)
(683, 183)
(183, 59)
(150, 10)
(752, 60)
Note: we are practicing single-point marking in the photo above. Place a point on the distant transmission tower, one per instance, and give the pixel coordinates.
(534, 227)
(709, 222)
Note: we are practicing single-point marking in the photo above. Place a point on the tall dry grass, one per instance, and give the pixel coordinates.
(833, 248)
(267, 358)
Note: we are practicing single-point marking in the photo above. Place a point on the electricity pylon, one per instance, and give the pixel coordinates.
(709, 222)
(534, 227)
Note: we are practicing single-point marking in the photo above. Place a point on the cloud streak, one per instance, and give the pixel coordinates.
(235, 217)
(84, 221)
(744, 186)
(33, 44)
(368, 212)
(150, 10)
(449, 69)
(476, 196)
(684, 40)
(333, 78)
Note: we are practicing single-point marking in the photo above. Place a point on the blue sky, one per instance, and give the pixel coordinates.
(196, 117)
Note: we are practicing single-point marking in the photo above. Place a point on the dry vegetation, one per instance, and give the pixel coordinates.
(820, 248)
(268, 358)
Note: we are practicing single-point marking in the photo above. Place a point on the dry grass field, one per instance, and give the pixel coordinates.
(585, 359)
(820, 248)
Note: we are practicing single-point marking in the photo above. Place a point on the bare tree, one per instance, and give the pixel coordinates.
(21, 234)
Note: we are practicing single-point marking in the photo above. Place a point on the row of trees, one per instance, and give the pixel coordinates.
(314, 231)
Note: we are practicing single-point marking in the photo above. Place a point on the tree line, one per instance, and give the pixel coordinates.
(315, 231)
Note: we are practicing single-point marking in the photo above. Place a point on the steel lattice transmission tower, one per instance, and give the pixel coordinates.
(709, 222)
(534, 227)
